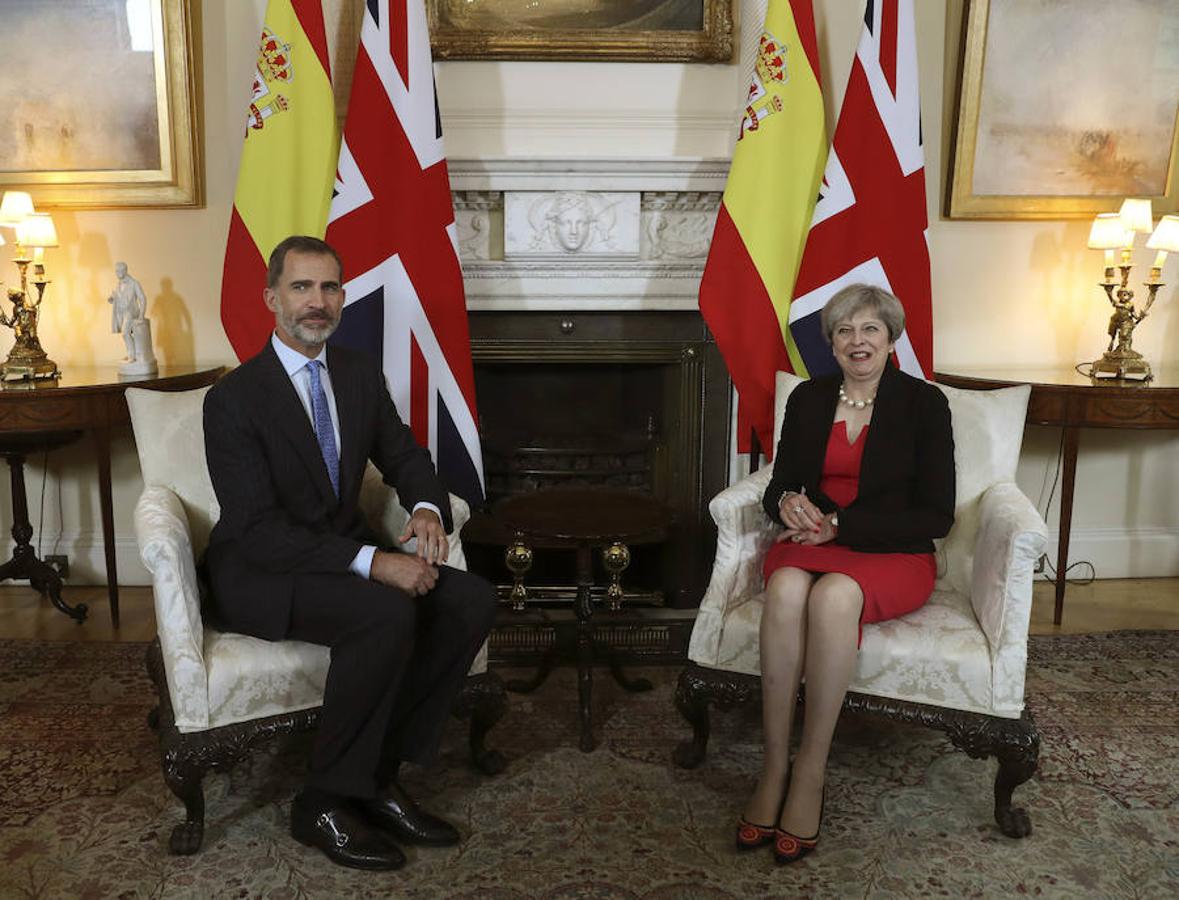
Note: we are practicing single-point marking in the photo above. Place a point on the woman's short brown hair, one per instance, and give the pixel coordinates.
(858, 297)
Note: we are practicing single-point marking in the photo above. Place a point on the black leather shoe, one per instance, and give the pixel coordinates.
(394, 810)
(344, 837)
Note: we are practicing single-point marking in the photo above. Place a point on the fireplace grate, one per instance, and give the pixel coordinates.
(513, 467)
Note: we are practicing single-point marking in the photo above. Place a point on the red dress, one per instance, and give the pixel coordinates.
(893, 583)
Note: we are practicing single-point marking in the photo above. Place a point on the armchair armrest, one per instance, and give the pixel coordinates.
(385, 514)
(744, 533)
(165, 546)
(1011, 537)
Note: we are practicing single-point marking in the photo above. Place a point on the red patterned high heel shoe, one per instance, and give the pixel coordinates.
(751, 836)
(789, 847)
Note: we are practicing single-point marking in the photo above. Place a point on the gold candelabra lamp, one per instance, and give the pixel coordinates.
(34, 232)
(1116, 231)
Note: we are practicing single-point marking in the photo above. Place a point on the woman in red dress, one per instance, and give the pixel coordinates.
(863, 482)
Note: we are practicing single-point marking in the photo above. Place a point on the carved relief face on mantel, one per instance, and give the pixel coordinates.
(570, 219)
(567, 223)
(571, 224)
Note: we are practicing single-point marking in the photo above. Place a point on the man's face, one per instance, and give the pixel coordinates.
(307, 301)
(120, 270)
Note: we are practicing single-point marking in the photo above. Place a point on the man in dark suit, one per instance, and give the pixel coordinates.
(287, 436)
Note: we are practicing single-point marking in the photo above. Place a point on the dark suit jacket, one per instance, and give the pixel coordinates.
(279, 516)
(906, 491)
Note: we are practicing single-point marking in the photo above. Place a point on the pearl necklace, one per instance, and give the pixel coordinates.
(856, 404)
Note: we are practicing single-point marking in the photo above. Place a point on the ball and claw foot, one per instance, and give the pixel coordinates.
(186, 838)
(490, 762)
(1014, 821)
(688, 754)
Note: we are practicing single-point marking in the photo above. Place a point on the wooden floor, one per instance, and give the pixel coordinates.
(1108, 605)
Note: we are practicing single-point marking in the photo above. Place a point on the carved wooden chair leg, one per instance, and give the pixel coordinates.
(1016, 744)
(691, 701)
(484, 700)
(184, 780)
(1018, 751)
(696, 689)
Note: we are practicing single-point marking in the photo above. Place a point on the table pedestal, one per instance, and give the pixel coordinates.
(583, 609)
(581, 519)
(25, 563)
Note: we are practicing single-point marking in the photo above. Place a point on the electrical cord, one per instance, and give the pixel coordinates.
(41, 514)
(1079, 581)
(1047, 506)
(60, 520)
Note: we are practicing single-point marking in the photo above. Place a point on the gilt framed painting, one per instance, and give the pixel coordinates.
(1057, 116)
(646, 30)
(100, 100)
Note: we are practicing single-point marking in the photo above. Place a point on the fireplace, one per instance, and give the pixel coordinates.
(631, 400)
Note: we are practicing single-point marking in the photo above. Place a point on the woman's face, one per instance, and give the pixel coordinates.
(861, 346)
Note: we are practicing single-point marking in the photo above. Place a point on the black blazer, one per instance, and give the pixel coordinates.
(906, 491)
(280, 517)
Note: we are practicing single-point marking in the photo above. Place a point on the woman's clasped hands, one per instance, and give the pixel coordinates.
(805, 522)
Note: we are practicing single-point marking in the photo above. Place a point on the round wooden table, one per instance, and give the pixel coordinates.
(583, 519)
(1066, 398)
(44, 414)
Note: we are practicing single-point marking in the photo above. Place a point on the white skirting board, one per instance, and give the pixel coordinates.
(1114, 553)
(1121, 552)
(88, 559)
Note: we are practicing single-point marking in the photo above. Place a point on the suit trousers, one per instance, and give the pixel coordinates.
(397, 664)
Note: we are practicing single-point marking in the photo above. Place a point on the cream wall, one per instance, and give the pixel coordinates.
(1018, 292)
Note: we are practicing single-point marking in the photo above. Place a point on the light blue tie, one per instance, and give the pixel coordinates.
(323, 426)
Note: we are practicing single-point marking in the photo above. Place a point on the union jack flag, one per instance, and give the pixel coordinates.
(870, 223)
(392, 221)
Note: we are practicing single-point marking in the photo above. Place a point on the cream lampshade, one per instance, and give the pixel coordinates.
(1165, 239)
(1109, 233)
(14, 207)
(1136, 215)
(36, 230)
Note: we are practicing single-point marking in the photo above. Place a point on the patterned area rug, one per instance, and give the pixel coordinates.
(84, 811)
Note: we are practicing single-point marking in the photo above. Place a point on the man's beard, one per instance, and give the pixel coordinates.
(307, 334)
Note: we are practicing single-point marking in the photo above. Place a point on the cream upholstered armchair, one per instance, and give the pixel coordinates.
(957, 663)
(221, 693)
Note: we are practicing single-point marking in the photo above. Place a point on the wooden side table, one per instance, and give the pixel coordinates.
(583, 519)
(1063, 397)
(41, 415)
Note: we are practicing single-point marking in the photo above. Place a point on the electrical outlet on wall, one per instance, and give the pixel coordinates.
(60, 563)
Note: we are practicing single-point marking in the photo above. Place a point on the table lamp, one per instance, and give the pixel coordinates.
(1116, 231)
(27, 360)
(14, 207)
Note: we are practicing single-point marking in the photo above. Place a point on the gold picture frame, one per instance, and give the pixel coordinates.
(641, 30)
(107, 114)
(1051, 124)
